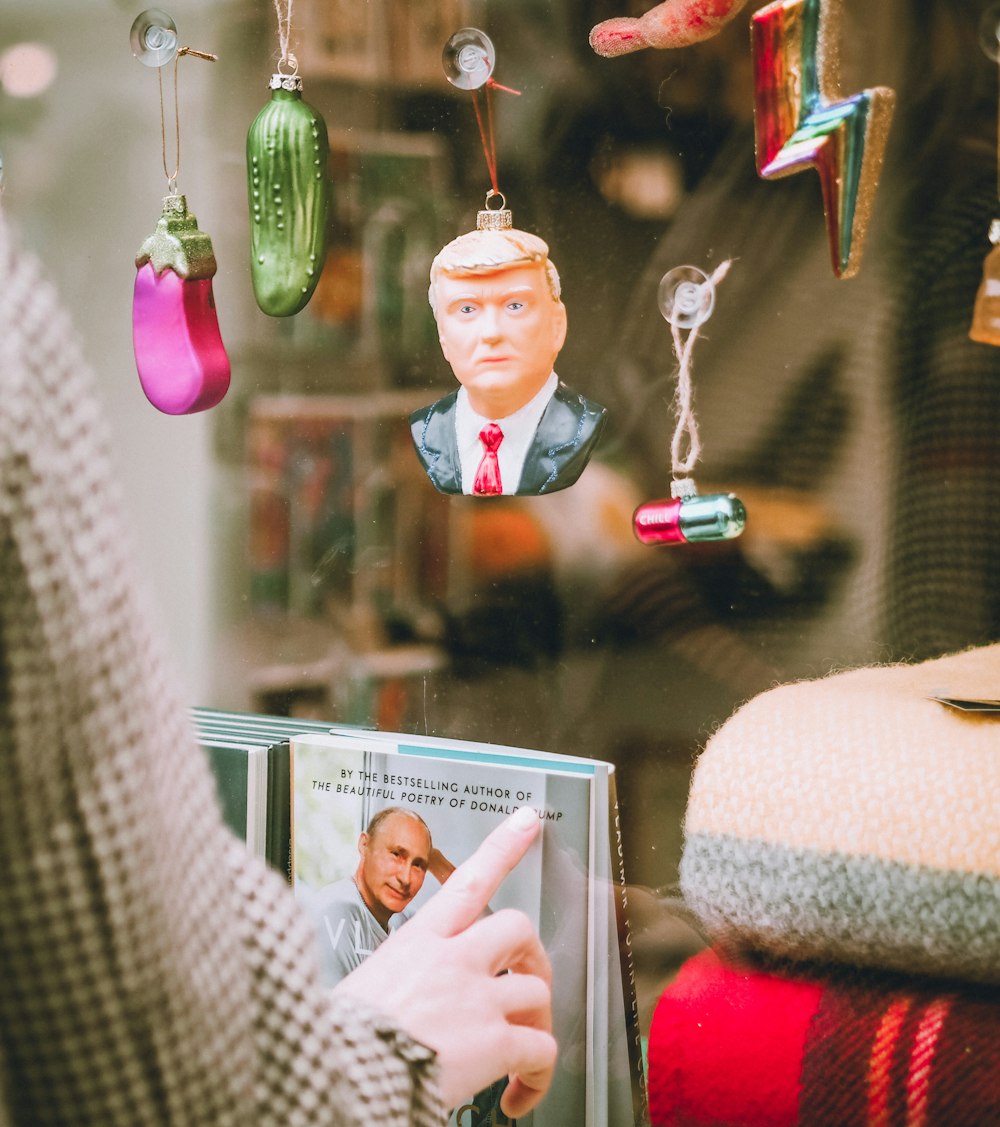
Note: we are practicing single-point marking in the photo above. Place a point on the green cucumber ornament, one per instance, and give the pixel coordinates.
(289, 191)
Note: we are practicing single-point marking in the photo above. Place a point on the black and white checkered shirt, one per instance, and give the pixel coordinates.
(151, 971)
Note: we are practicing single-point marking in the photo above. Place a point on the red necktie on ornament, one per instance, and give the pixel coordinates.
(488, 475)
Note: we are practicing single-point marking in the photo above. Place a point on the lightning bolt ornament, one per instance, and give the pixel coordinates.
(802, 120)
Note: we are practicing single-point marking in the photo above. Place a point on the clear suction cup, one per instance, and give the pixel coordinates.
(469, 58)
(154, 38)
(686, 296)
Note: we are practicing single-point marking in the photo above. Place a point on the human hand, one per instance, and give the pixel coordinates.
(440, 977)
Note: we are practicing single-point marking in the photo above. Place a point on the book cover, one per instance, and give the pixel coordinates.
(460, 792)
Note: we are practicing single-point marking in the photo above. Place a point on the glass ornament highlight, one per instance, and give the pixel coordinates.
(182, 362)
(469, 58)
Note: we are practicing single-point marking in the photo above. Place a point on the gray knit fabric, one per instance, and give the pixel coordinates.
(151, 971)
(806, 904)
(855, 819)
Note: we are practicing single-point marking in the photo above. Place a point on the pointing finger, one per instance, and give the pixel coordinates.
(468, 890)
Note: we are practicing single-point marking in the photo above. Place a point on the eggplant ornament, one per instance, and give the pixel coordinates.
(287, 181)
(179, 354)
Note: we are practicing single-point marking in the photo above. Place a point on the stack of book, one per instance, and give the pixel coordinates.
(304, 795)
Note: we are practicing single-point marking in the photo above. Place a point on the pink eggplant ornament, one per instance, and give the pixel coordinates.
(179, 354)
(674, 23)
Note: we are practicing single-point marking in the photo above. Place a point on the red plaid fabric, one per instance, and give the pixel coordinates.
(738, 1046)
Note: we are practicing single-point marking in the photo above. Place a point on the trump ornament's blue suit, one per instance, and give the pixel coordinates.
(565, 438)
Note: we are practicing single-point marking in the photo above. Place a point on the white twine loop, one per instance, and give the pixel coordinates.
(687, 424)
(283, 10)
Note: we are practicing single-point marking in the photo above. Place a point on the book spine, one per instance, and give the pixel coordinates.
(279, 809)
(640, 1103)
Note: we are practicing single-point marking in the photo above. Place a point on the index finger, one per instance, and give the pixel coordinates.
(467, 891)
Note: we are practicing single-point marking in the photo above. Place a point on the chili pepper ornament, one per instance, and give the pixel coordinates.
(686, 299)
(179, 354)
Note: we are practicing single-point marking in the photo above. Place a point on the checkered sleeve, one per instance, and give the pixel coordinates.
(152, 971)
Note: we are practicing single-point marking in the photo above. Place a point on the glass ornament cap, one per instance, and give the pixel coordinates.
(690, 519)
(154, 38)
(469, 58)
(499, 218)
(686, 297)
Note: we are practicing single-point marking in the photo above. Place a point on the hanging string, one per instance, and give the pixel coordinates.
(172, 176)
(283, 10)
(486, 132)
(488, 139)
(686, 431)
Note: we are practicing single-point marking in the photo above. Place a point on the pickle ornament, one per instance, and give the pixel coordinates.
(289, 194)
(179, 354)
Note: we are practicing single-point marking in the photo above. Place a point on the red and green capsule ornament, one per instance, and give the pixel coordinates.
(687, 298)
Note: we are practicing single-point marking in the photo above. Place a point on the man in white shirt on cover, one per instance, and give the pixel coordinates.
(355, 915)
(512, 427)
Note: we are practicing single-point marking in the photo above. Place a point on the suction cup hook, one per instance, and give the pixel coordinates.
(989, 32)
(686, 297)
(469, 58)
(154, 38)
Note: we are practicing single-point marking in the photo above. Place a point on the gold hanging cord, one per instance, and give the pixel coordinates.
(172, 176)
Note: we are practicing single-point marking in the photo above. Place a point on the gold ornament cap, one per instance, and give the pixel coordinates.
(494, 218)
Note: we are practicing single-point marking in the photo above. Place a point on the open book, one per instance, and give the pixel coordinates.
(312, 790)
